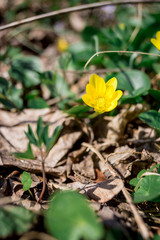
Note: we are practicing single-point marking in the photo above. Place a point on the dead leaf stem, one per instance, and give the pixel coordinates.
(139, 220)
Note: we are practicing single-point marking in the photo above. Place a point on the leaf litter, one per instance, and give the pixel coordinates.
(87, 173)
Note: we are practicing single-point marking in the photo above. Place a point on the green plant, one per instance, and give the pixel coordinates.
(44, 143)
(147, 185)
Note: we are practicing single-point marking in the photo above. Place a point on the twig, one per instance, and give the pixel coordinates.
(44, 176)
(74, 9)
(123, 51)
(142, 227)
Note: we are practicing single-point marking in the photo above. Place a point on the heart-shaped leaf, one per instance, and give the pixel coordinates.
(69, 217)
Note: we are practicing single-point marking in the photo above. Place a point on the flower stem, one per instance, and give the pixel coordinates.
(30, 193)
(44, 177)
(93, 115)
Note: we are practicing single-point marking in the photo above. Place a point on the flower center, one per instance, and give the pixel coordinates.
(100, 105)
(100, 102)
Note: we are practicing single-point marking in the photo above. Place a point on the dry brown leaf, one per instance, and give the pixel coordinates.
(117, 126)
(100, 176)
(122, 159)
(85, 167)
(12, 138)
(104, 191)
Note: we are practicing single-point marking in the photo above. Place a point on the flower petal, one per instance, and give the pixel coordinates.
(112, 82)
(117, 95)
(158, 35)
(109, 93)
(111, 106)
(88, 100)
(99, 84)
(156, 43)
(91, 90)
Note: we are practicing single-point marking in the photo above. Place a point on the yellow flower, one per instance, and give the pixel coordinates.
(102, 96)
(121, 26)
(156, 42)
(62, 44)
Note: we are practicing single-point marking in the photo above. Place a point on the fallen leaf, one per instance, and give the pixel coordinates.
(117, 126)
(100, 176)
(85, 167)
(104, 191)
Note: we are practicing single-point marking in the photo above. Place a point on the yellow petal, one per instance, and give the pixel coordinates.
(109, 93)
(91, 90)
(99, 84)
(117, 95)
(156, 43)
(112, 82)
(111, 106)
(158, 35)
(88, 100)
(94, 79)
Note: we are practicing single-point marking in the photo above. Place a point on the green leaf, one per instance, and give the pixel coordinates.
(26, 181)
(81, 51)
(56, 84)
(78, 111)
(156, 68)
(51, 141)
(155, 94)
(141, 173)
(134, 181)
(30, 135)
(4, 85)
(45, 134)
(64, 60)
(152, 118)
(13, 95)
(28, 154)
(15, 220)
(32, 94)
(61, 88)
(137, 181)
(69, 217)
(148, 190)
(89, 31)
(10, 95)
(134, 81)
(26, 70)
(37, 103)
(40, 130)
(7, 103)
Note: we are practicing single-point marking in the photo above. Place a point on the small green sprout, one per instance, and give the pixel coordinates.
(27, 182)
(44, 142)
